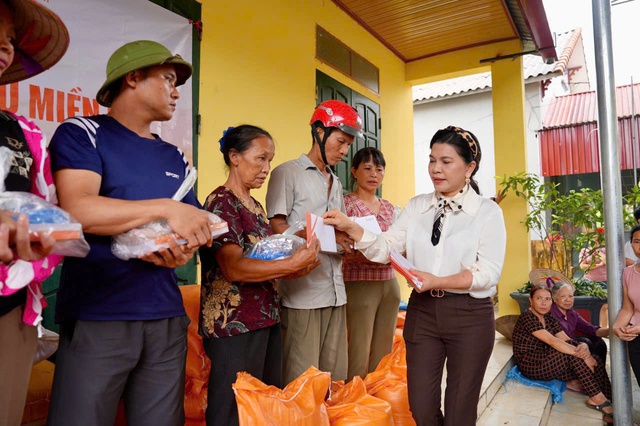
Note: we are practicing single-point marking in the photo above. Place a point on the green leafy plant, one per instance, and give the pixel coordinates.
(583, 288)
(565, 223)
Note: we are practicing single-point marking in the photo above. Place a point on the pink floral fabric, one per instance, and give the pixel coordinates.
(20, 273)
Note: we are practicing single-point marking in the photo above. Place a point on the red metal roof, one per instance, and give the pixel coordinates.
(569, 137)
(582, 108)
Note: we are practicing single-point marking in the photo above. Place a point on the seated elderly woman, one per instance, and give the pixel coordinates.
(543, 351)
(576, 327)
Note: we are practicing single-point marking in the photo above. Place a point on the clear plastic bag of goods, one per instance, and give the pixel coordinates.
(278, 246)
(47, 218)
(156, 235)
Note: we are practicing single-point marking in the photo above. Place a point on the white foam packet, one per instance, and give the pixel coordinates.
(156, 235)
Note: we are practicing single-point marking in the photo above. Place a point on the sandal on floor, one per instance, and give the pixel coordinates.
(600, 407)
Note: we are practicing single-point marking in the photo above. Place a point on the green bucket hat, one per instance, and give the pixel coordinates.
(137, 55)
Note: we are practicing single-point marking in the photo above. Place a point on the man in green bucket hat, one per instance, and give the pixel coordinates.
(123, 328)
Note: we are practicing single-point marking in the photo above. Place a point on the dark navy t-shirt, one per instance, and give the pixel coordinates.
(101, 286)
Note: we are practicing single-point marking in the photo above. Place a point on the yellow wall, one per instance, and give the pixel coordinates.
(509, 130)
(258, 66)
(458, 63)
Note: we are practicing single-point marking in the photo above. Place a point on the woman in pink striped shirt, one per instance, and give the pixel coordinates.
(373, 294)
(32, 39)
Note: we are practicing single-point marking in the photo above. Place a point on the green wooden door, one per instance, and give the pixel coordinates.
(328, 88)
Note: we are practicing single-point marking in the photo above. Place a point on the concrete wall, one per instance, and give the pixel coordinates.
(475, 113)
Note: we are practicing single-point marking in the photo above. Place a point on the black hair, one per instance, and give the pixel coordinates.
(636, 215)
(115, 88)
(239, 139)
(461, 140)
(365, 155)
(535, 288)
(633, 231)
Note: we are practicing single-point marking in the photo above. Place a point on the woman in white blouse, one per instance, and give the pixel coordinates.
(456, 239)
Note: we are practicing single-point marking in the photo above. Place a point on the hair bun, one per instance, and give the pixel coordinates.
(223, 139)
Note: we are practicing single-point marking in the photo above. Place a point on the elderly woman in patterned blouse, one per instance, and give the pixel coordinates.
(543, 351)
(240, 310)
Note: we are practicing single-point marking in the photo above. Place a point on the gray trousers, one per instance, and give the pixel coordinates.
(100, 362)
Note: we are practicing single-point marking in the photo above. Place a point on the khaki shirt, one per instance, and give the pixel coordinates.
(296, 187)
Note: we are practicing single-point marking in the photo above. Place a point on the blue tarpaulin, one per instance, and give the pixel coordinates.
(556, 387)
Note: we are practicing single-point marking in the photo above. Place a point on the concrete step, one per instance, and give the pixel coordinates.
(573, 411)
(499, 365)
(512, 403)
(517, 404)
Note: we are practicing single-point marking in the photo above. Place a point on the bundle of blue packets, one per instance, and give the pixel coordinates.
(274, 247)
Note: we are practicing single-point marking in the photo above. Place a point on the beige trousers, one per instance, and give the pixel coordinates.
(372, 314)
(18, 343)
(315, 337)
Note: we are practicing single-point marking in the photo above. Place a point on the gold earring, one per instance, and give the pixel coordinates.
(467, 180)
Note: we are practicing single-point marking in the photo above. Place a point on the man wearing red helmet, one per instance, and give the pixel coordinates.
(314, 306)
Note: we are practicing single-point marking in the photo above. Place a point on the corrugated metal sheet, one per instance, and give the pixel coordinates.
(574, 149)
(569, 136)
(533, 66)
(582, 108)
(416, 29)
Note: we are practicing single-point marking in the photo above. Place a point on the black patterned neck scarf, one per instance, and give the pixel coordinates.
(454, 204)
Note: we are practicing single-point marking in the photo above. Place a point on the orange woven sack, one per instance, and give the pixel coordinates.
(351, 405)
(389, 383)
(198, 364)
(400, 324)
(301, 403)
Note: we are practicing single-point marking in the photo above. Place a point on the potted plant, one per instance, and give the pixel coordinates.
(589, 295)
(565, 224)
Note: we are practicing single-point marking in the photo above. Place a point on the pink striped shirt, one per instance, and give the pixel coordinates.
(369, 271)
(31, 274)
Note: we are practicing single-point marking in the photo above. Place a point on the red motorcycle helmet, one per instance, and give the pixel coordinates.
(338, 114)
(331, 115)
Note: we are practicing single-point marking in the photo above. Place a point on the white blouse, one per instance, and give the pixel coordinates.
(473, 238)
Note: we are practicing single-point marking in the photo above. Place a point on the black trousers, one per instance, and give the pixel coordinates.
(459, 330)
(634, 357)
(257, 352)
(100, 362)
(596, 344)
